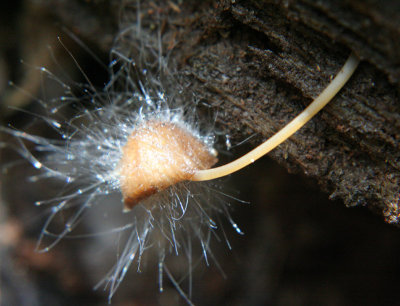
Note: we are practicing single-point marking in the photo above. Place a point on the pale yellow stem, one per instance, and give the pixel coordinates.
(323, 99)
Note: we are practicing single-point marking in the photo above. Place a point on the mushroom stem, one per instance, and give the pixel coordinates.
(292, 127)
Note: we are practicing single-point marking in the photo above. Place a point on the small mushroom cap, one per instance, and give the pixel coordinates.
(158, 155)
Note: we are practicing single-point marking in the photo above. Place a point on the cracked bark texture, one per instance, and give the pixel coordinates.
(259, 63)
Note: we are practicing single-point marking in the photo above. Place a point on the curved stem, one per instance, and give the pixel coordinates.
(323, 99)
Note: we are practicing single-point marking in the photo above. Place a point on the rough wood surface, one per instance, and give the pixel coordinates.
(259, 63)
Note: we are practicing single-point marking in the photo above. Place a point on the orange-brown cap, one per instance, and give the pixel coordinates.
(158, 155)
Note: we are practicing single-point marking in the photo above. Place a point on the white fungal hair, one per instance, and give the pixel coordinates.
(84, 160)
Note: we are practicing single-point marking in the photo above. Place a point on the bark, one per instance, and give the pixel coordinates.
(259, 63)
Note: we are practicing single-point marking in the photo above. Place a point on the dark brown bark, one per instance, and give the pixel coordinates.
(259, 63)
